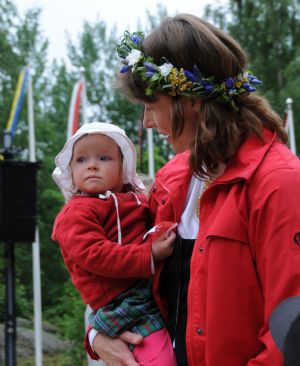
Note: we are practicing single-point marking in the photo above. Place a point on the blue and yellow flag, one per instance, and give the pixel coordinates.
(17, 102)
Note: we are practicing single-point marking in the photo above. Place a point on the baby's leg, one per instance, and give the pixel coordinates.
(155, 350)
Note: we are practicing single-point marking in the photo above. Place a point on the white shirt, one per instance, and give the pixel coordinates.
(189, 222)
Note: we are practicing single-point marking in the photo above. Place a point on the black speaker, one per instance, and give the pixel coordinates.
(18, 193)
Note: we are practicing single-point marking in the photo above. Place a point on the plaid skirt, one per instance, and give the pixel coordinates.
(134, 309)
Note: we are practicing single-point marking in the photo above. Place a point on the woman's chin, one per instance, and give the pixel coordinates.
(178, 147)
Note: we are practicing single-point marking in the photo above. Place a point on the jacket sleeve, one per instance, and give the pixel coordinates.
(83, 240)
(88, 347)
(274, 226)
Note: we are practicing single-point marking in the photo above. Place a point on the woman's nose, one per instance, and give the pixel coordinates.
(148, 120)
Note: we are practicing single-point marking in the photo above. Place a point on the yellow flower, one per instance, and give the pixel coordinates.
(179, 82)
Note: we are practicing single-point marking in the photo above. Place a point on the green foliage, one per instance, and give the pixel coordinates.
(9, 60)
(96, 53)
(291, 89)
(68, 316)
(269, 30)
(21, 42)
(23, 269)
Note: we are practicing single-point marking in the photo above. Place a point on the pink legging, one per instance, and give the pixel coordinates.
(155, 350)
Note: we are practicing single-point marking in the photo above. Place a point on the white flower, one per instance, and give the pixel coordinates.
(165, 69)
(133, 57)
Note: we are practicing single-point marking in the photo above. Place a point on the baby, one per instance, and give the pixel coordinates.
(101, 232)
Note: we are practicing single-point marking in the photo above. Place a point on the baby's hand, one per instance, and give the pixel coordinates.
(163, 248)
(163, 239)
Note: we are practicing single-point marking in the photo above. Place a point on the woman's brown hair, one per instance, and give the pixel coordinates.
(184, 41)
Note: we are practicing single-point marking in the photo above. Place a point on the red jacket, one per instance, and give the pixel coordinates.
(86, 229)
(246, 257)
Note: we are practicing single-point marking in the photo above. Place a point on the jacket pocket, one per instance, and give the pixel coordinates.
(228, 223)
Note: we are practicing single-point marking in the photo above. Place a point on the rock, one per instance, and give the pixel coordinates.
(25, 340)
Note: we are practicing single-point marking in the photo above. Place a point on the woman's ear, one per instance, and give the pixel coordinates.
(190, 104)
(196, 104)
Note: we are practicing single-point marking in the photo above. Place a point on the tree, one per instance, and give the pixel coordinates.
(269, 30)
(96, 53)
(9, 59)
(14, 55)
(21, 42)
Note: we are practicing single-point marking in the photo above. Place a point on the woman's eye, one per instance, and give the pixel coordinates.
(105, 158)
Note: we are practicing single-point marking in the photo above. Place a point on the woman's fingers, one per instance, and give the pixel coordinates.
(131, 338)
(114, 351)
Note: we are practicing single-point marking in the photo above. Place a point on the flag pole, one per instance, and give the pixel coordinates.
(83, 96)
(150, 153)
(36, 244)
(83, 100)
(290, 125)
(74, 108)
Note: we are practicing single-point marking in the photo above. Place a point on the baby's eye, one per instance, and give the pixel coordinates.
(105, 158)
(80, 159)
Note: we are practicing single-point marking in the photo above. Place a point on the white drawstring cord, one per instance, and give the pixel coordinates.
(105, 196)
(136, 197)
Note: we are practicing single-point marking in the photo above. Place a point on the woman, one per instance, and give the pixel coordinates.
(242, 189)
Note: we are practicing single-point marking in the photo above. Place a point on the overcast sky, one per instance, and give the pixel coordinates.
(61, 16)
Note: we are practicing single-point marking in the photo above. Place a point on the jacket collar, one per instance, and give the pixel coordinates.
(249, 156)
(175, 177)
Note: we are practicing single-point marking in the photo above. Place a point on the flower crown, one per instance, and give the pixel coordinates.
(167, 78)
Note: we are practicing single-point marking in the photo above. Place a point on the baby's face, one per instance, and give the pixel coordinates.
(97, 164)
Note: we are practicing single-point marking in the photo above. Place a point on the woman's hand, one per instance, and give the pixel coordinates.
(115, 351)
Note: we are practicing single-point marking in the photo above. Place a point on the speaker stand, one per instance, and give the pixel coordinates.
(10, 316)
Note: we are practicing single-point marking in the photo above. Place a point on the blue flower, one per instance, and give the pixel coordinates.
(135, 39)
(149, 73)
(229, 83)
(190, 75)
(125, 69)
(253, 79)
(248, 87)
(208, 86)
(150, 67)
